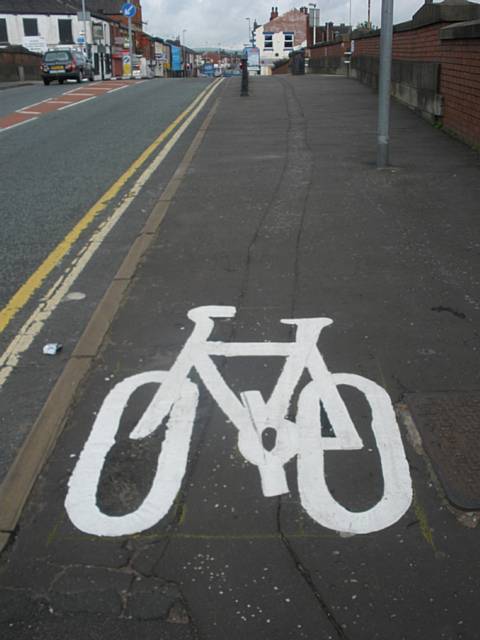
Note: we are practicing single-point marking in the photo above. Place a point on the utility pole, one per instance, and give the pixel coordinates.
(385, 74)
(249, 31)
(85, 27)
(369, 22)
(130, 45)
(314, 16)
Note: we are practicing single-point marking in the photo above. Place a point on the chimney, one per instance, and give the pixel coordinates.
(274, 13)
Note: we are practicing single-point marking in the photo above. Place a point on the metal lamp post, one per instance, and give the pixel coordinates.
(314, 15)
(249, 30)
(85, 27)
(385, 73)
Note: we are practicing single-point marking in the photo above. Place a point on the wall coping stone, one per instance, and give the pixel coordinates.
(461, 30)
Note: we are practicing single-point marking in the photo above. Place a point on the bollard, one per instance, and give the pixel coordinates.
(244, 67)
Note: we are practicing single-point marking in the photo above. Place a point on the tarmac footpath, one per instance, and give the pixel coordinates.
(277, 212)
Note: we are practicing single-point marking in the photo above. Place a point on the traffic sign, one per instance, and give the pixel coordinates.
(128, 9)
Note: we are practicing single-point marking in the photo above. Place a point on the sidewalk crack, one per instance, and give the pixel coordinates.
(307, 577)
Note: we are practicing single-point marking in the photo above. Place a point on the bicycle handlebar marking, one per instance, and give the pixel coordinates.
(177, 398)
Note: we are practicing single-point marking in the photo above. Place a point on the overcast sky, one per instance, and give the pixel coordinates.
(213, 22)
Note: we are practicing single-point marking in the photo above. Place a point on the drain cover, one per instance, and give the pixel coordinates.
(449, 424)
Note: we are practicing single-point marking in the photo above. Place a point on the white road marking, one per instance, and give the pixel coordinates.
(74, 104)
(176, 400)
(12, 126)
(10, 358)
(77, 93)
(29, 113)
(35, 104)
(125, 86)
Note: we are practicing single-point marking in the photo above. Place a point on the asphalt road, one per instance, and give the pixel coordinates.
(158, 513)
(53, 170)
(56, 167)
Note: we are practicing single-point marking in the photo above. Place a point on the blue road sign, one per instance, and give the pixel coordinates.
(128, 9)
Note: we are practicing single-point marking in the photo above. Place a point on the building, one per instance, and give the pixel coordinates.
(39, 25)
(281, 35)
(162, 58)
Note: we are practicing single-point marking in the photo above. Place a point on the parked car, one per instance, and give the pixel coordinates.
(65, 64)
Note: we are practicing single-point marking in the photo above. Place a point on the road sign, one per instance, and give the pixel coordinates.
(81, 40)
(129, 9)
(127, 64)
(84, 17)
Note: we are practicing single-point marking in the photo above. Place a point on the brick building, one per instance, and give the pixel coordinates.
(281, 35)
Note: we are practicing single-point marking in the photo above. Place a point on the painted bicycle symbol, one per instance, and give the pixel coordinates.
(176, 400)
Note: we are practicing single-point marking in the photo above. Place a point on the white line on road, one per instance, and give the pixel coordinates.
(12, 126)
(77, 93)
(10, 358)
(28, 113)
(74, 104)
(35, 104)
(125, 86)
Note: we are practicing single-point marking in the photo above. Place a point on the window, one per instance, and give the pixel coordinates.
(57, 56)
(3, 31)
(30, 27)
(268, 40)
(288, 41)
(65, 31)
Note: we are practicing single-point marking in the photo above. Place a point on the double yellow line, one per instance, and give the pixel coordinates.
(35, 281)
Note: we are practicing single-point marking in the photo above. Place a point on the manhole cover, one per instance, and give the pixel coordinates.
(449, 424)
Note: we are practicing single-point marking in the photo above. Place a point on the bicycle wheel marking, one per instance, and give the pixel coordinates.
(176, 402)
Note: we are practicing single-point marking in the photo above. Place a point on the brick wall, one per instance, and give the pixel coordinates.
(459, 71)
(415, 44)
(460, 87)
(19, 65)
(328, 58)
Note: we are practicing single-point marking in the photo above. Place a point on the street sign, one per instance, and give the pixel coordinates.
(81, 40)
(127, 64)
(84, 17)
(128, 9)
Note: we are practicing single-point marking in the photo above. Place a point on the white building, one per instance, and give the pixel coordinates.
(281, 35)
(49, 28)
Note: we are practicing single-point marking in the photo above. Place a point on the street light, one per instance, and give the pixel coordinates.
(384, 79)
(314, 14)
(249, 31)
(85, 27)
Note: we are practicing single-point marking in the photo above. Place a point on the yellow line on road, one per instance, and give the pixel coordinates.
(26, 291)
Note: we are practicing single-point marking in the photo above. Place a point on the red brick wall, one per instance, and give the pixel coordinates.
(417, 44)
(460, 86)
(459, 77)
(282, 69)
(334, 50)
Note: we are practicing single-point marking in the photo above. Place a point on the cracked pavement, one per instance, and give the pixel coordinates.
(283, 215)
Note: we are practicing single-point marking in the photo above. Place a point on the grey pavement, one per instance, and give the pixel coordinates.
(282, 214)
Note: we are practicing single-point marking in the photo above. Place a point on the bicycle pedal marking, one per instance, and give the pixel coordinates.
(176, 401)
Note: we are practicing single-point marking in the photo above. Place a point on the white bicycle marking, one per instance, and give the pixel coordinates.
(177, 397)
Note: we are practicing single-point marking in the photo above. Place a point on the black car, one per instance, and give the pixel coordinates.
(65, 64)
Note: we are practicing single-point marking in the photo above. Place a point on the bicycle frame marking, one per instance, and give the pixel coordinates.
(176, 400)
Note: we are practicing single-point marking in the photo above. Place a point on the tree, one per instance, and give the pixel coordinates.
(365, 27)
